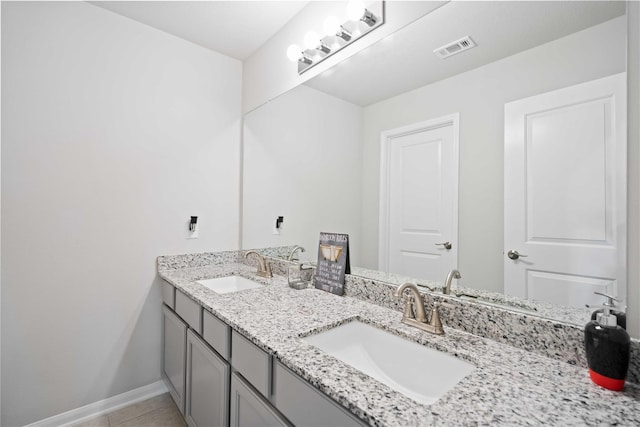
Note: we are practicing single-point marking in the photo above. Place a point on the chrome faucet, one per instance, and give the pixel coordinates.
(293, 252)
(264, 269)
(419, 320)
(453, 274)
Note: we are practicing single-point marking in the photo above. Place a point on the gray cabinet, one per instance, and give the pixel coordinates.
(305, 406)
(189, 310)
(169, 294)
(249, 409)
(207, 393)
(174, 339)
(217, 334)
(253, 363)
(217, 377)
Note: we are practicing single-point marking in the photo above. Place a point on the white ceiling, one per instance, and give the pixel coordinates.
(233, 28)
(405, 60)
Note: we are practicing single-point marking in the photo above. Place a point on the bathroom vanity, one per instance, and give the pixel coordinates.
(241, 358)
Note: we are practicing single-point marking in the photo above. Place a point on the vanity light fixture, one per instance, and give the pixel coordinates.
(344, 34)
(361, 20)
(369, 18)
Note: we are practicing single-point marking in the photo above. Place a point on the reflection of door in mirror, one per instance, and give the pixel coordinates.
(418, 204)
(565, 193)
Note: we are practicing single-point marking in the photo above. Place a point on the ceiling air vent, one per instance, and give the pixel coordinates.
(454, 47)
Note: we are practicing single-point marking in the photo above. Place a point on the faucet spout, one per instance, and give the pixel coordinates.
(264, 269)
(434, 326)
(421, 315)
(293, 252)
(453, 274)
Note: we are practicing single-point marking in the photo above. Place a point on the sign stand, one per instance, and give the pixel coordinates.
(333, 262)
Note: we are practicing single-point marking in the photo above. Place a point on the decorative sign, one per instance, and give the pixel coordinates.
(333, 262)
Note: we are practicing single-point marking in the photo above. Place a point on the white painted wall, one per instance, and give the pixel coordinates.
(633, 167)
(0, 232)
(479, 96)
(113, 134)
(303, 144)
(268, 72)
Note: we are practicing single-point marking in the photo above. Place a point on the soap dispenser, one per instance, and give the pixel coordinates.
(621, 316)
(607, 346)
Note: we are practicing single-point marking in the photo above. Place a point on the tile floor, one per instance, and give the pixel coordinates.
(159, 411)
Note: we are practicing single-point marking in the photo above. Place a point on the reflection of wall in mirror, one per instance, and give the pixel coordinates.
(479, 96)
(302, 155)
(282, 168)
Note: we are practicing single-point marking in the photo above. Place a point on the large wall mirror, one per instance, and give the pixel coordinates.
(325, 155)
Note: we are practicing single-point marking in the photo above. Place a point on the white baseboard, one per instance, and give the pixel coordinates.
(103, 406)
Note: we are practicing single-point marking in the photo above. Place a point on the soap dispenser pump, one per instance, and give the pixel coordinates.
(607, 346)
(621, 316)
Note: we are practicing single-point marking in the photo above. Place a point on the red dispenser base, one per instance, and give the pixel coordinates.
(606, 382)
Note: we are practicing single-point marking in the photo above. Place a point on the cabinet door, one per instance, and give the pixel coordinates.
(249, 409)
(304, 405)
(207, 402)
(174, 339)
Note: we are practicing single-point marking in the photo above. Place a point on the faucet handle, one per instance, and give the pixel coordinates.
(408, 309)
(267, 268)
(435, 321)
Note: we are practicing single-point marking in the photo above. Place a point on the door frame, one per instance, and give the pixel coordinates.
(386, 139)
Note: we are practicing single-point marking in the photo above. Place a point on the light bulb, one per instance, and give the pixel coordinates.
(294, 52)
(331, 26)
(355, 10)
(311, 40)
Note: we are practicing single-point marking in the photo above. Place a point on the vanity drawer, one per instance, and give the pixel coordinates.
(169, 294)
(217, 334)
(253, 363)
(189, 310)
(302, 404)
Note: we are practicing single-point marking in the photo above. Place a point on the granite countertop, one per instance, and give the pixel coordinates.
(576, 316)
(509, 386)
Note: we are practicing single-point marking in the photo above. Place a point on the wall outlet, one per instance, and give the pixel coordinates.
(278, 225)
(192, 228)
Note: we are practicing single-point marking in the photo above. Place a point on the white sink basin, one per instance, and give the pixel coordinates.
(228, 284)
(418, 372)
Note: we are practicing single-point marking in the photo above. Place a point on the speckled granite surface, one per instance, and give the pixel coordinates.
(174, 262)
(509, 387)
(578, 316)
(528, 332)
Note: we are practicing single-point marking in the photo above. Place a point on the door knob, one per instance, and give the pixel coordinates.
(515, 255)
(447, 245)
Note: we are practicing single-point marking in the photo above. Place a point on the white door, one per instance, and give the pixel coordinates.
(565, 194)
(419, 199)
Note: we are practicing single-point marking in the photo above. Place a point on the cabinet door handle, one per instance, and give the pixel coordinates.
(447, 245)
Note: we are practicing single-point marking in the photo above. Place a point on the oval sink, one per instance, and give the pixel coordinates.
(418, 372)
(228, 284)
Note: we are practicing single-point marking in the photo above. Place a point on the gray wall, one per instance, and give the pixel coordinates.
(479, 95)
(113, 133)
